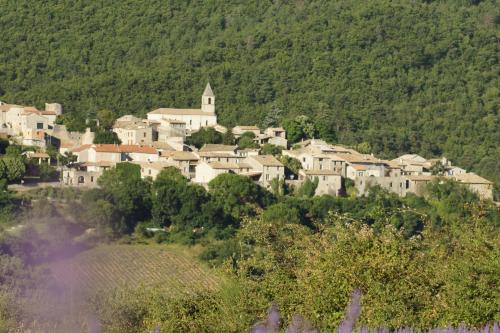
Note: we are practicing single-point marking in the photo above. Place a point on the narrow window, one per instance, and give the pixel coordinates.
(407, 183)
(209, 100)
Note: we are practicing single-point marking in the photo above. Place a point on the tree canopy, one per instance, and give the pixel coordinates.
(405, 76)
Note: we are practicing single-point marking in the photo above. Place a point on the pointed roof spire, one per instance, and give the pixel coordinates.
(208, 90)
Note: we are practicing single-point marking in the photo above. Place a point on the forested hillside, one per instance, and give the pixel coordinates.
(403, 76)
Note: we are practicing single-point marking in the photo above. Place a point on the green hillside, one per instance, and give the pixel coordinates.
(404, 76)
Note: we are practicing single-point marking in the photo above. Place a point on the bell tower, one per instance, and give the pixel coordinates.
(208, 100)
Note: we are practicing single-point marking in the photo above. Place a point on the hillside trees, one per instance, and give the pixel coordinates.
(404, 76)
(129, 195)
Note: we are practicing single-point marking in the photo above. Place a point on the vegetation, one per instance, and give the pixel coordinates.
(206, 135)
(419, 262)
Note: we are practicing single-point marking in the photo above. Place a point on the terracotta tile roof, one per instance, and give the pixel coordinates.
(111, 148)
(81, 148)
(49, 113)
(190, 112)
(216, 147)
(31, 109)
(67, 144)
(163, 146)
(106, 148)
(358, 167)
(267, 160)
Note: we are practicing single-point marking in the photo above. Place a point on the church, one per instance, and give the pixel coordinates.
(194, 118)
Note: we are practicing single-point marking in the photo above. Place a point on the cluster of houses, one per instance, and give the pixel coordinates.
(158, 142)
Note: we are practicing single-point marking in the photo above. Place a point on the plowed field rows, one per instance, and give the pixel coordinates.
(131, 266)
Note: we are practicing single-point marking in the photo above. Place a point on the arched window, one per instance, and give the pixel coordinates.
(81, 180)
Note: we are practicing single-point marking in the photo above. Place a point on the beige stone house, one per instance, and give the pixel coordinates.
(318, 155)
(152, 169)
(412, 164)
(218, 148)
(267, 166)
(219, 153)
(363, 165)
(134, 133)
(206, 171)
(185, 161)
(193, 118)
(477, 184)
(16, 119)
(329, 182)
(273, 135)
(238, 131)
(80, 177)
(400, 185)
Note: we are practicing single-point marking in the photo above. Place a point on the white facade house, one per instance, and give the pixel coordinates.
(193, 118)
(16, 119)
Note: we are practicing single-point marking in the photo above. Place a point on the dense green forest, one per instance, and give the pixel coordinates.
(402, 76)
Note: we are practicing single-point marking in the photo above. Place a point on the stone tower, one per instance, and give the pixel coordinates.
(208, 100)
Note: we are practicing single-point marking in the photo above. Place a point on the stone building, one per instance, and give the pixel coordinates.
(193, 118)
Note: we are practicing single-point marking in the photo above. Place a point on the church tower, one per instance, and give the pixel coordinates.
(208, 100)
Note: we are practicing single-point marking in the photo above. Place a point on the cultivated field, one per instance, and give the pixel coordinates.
(110, 266)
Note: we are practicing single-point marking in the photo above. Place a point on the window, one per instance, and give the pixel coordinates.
(190, 122)
(303, 159)
(267, 176)
(206, 122)
(149, 171)
(390, 184)
(209, 100)
(407, 183)
(81, 180)
(39, 125)
(324, 177)
(91, 179)
(144, 134)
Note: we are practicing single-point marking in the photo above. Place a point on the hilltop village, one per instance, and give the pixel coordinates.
(159, 141)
